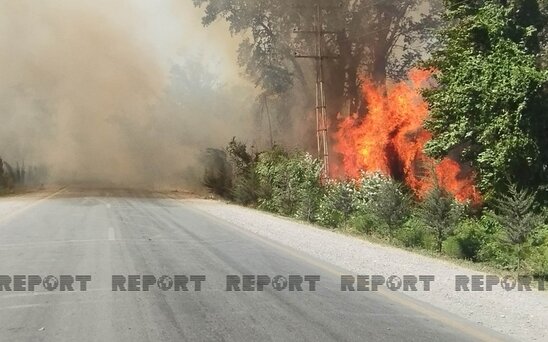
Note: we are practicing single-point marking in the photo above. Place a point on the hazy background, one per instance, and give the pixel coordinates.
(125, 92)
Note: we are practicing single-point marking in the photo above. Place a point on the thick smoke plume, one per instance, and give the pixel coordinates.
(113, 92)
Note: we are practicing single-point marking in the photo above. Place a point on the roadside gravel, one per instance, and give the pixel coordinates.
(11, 204)
(519, 314)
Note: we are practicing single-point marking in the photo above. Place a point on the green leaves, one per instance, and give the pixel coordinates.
(381, 39)
(372, 198)
(491, 96)
(337, 203)
(439, 213)
(289, 183)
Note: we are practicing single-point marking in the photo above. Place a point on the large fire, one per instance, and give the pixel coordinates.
(390, 139)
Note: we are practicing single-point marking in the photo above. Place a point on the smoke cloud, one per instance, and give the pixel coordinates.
(116, 92)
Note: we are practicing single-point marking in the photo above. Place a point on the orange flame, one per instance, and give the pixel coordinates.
(390, 139)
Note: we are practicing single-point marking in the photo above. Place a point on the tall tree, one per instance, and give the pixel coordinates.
(489, 105)
(376, 39)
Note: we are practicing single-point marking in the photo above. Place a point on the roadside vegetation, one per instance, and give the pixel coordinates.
(510, 234)
(488, 108)
(19, 176)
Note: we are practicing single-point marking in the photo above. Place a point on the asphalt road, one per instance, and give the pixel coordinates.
(102, 233)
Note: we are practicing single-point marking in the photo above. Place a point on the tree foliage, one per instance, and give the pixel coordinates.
(391, 205)
(337, 203)
(439, 212)
(489, 105)
(289, 183)
(372, 38)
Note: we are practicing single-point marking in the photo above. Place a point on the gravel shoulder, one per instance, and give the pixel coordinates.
(521, 315)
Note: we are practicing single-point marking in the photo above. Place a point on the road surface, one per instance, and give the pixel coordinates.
(106, 233)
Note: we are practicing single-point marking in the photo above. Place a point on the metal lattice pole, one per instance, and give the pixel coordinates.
(322, 136)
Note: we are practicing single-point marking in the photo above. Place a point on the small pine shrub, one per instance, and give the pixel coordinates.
(516, 212)
(440, 213)
(244, 190)
(391, 205)
(494, 250)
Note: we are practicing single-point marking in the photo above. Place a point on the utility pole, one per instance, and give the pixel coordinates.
(264, 106)
(321, 106)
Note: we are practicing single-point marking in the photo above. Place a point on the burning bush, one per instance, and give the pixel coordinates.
(288, 183)
(390, 139)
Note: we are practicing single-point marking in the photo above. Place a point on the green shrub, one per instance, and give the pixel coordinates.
(391, 205)
(336, 205)
(367, 188)
(452, 247)
(440, 213)
(305, 172)
(269, 168)
(494, 251)
(471, 236)
(217, 172)
(537, 261)
(414, 234)
(365, 223)
(290, 183)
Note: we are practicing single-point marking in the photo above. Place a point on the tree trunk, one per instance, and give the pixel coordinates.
(440, 240)
(379, 69)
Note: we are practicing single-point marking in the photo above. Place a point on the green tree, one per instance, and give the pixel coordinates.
(391, 205)
(439, 213)
(489, 103)
(515, 212)
(543, 58)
